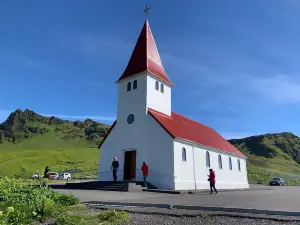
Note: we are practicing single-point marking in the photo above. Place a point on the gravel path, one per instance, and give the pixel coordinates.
(150, 219)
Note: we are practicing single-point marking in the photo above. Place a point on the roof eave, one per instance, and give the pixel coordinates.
(209, 148)
(145, 73)
(107, 134)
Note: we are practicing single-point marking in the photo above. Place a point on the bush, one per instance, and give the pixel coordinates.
(30, 202)
(66, 199)
(21, 203)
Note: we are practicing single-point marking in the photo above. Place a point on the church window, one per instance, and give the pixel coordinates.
(207, 159)
(220, 162)
(156, 85)
(130, 119)
(134, 84)
(239, 165)
(129, 86)
(183, 154)
(230, 164)
(161, 88)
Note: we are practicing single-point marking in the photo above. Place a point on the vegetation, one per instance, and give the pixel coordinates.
(271, 155)
(23, 204)
(29, 141)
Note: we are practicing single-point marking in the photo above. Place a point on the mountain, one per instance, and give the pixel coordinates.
(271, 155)
(26, 125)
(29, 142)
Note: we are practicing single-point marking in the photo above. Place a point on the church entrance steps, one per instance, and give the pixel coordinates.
(109, 186)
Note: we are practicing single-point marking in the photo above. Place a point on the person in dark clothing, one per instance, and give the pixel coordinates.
(114, 168)
(47, 172)
(212, 181)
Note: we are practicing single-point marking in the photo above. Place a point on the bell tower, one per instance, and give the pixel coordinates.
(144, 83)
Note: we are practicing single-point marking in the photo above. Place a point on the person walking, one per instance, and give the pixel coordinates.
(114, 168)
(145, 173)
(212, 181)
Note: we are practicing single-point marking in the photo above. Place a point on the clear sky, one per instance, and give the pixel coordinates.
(235, 64)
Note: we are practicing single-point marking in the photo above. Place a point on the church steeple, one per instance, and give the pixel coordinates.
(145, 57)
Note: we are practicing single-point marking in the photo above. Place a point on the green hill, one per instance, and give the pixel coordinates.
(271, 155)
(29, 142)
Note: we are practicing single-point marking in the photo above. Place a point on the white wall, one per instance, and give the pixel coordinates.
(156, 99)
(133, 101)
(153, 145)
(225, 179)
(160, 157)
(151, 142)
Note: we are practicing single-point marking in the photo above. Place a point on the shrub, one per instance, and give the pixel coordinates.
(66, 199)
(30, 202)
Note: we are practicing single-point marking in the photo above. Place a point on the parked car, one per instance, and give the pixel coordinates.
(277, 181)
(64, 176)
(53, 176)
(35, 177)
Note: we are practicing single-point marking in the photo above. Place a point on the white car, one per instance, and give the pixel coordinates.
(64, 176)
(35, 177)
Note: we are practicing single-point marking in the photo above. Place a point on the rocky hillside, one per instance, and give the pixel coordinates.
(26, 125)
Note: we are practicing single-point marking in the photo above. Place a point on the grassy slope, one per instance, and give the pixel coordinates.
(66, 147)
(63, 147)
(271, 155)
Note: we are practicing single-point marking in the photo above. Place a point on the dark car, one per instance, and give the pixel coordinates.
(277, 181)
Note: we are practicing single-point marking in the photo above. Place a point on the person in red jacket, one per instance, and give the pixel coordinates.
(145, 173)
(212, 181)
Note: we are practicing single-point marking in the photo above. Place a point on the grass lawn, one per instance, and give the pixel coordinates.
(24, 163)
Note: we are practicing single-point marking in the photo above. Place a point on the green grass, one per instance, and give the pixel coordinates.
(25, 162)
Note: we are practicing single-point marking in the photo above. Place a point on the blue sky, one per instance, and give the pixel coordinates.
(235, 64)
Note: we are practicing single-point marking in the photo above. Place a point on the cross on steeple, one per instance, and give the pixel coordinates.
(147, 10)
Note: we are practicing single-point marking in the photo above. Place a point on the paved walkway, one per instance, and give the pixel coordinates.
(259, 197)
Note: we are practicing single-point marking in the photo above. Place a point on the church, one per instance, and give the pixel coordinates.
(179, 151)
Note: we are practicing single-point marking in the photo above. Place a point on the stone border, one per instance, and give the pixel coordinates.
(193, 208)
(193, 213)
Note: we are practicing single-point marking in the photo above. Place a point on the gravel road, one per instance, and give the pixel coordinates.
(150, 219)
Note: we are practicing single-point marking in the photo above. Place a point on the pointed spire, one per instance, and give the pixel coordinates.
(145, 56)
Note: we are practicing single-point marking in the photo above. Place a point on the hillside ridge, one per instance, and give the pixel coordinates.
(26, 124)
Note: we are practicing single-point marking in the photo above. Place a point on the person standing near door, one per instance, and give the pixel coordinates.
(145, 173)
(114, 168)
(212, 181)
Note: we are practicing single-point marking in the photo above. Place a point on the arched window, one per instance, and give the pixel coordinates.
(156, 85)
(207, 159)
(161, 88)
(230, 164)
(239, 165)
(220, 161)
(134, 84)
(183, 154)
(129, 86)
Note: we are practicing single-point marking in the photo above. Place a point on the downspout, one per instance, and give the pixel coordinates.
(194, 168)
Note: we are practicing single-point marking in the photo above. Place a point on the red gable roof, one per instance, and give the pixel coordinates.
(179, 126)
(145, 57)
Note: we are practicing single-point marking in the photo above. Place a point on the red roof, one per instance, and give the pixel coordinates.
(145, 57)
(179, 126)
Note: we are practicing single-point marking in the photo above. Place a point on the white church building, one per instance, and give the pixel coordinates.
(179, 151)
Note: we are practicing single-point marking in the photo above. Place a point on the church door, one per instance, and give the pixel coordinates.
(129, 165)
